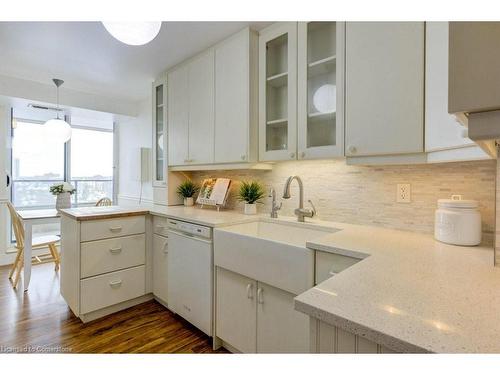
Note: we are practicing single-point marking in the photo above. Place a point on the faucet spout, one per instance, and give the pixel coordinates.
(286, 190)
(301, 212)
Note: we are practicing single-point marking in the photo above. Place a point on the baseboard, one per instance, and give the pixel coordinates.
(115, 308)
(161, 302)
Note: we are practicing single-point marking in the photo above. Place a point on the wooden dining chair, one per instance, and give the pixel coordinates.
(103, 202)
(37, 243)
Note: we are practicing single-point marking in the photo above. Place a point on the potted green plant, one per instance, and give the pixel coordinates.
(250, 193)
(187, 190)
(63, 192)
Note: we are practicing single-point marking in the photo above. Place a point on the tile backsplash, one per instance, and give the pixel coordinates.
(367, 194)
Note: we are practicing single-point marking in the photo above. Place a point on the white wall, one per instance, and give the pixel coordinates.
(3, 190)
(134, 133)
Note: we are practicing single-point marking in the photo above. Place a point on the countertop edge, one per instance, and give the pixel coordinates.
(103, 216)
(337, 250)
(349, 325)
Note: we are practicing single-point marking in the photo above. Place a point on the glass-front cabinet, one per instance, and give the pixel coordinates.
(320, 89)
(278, 92)
(159, 132)
(301, 97)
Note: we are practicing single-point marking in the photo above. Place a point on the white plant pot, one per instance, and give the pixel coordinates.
(188, 201)
(63, 200)
(250, 208)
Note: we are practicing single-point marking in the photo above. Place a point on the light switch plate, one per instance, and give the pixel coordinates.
(403, 193)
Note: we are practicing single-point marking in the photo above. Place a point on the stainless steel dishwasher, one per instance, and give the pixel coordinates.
(190, 273)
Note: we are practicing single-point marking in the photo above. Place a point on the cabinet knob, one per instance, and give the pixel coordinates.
(302, 155)
(243, 157)
(352, 149)
(292, 155)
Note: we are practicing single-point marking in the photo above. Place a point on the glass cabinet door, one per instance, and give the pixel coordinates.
(320, 89)
(159, 136)
(277, 80)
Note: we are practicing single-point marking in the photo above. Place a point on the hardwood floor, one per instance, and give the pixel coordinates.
(40, 321)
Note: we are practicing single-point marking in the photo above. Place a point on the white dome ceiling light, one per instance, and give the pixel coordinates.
(57, 130)
(133, 33)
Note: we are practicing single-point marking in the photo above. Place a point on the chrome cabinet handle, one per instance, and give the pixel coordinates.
(243, 157)
(250, 291)
(115, 229)
(260, 298)
(115, 250)
(302, 155)
(115, 283)
(292, 155)
(165, 248)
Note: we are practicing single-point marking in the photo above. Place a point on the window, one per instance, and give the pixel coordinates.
(91, 165)
(35, 166)
(86, 161)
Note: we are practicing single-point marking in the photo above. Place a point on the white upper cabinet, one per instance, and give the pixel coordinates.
(236, 99)
(178, 116)
(320, 89)
(213, 104)
(191, 111)
(159, 130)
(384, 88)
(278, 92)
(201, 108)
(442, 130)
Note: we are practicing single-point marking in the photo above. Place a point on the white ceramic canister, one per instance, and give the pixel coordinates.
(458, 221)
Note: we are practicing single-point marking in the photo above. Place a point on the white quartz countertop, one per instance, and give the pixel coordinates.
(410, 292)
(206, 216)
(202, 216)
(102, 212)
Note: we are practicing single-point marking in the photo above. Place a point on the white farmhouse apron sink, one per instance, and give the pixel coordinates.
(271, 251)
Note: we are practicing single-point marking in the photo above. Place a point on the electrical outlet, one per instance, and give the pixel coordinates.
(403, 193)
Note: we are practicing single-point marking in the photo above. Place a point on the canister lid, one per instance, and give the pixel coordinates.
(456, 201)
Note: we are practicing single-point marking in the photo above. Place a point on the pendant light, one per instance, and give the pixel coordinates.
(58, 130)
(133, 33)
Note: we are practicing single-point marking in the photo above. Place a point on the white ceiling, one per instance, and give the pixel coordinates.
(89, 59)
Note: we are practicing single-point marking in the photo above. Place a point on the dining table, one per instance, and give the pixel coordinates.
(29, 219)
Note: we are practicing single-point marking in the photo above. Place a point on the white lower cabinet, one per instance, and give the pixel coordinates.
(255, 317)
(236, 310)
(111, 288)
(160, 264)
(104, 264)
(326, 338)
(280, 328)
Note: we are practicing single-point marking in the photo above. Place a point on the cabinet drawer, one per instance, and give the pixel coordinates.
(328, 264)
(109, 228)
(113, 254)
(111, 288)
(160, 225)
